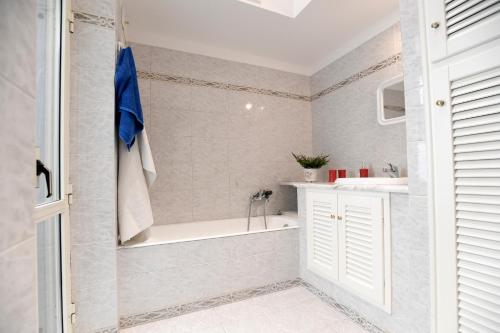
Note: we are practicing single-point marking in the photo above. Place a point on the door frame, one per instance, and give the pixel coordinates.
(61, 206)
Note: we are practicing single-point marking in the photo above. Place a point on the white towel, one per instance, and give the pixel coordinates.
(136, 173)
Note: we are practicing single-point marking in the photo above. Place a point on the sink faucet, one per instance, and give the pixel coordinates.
(392, 170)
(258, 196)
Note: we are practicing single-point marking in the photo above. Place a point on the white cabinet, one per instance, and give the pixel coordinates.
(457, 25)
(322, 234)
(361, 244)
(466, 144)
(348, 241)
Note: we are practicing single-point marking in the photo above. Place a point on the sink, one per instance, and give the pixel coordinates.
(372, 181)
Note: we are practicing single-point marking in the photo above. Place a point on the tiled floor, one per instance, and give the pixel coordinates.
(294, 310)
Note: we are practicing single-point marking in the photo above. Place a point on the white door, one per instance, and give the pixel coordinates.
(457, 25)
(322, 241)
(361, 245)
(466, 126)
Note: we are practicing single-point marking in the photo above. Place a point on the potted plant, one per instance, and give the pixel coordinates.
(311, 164)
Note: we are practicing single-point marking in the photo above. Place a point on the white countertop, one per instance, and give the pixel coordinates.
(357, 187)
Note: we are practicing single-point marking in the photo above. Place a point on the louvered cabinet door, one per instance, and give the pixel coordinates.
(468, 207)
(361, 247)
(322, 238)
(457, 25)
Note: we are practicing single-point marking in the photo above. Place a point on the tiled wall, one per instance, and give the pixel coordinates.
(344, 121)
(93, 167)
(17, 135)
(410, 226)
(161, 276)
(418, 217)
(211, 152)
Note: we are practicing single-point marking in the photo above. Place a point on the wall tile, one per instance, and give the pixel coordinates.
(17, 194)
(337, 116)
(142, 56)
(229, 148)
(17, 50)
(417, 168)
(93, 46)
(18, 288)
(373, 51)
(203, 269)
(97, 305)
(106, 8)
(212, 69)
(92, 111)
(93, 171)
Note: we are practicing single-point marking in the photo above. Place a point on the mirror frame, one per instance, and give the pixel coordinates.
(380, 102)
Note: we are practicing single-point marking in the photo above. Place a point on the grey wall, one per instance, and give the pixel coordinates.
(17, 134)
(345, 121)
(93, 167)
(210, 152)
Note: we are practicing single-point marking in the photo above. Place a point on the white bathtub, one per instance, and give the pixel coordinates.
(182, 232)
(188, 262)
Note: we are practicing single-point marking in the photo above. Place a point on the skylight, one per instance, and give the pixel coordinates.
(290, 8)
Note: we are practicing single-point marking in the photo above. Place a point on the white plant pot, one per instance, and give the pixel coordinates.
(310, 175)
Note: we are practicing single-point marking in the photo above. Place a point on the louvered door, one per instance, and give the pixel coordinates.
(456, 25)
(361, 245)
(467, 128)
(322, 239)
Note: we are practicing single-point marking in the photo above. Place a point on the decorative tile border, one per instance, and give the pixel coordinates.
(219, 85)
(101, 21)
(107, 330)
(358, 76)
(178, 310)
(234, 87)
(353, 315)
(144, 318)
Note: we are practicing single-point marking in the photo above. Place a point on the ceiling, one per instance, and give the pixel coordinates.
(234, 30)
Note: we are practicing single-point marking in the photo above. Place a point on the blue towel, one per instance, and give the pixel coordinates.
(128, 102)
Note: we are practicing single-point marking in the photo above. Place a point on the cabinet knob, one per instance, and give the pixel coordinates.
(339, 217)
(435, 25)
(440, 102)
(332, 216)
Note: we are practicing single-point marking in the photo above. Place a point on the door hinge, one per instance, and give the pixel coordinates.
(72, 313)
(71, 22)
(69, 193)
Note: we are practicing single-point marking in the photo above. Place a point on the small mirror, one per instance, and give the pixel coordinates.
(391, 101)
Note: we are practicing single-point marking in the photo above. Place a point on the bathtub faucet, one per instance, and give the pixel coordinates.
(259, 196)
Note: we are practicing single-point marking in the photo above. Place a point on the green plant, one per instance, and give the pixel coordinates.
(312, 162)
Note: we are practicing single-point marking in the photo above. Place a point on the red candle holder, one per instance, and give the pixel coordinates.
(332, 175)
(363, 172)
(342, 173)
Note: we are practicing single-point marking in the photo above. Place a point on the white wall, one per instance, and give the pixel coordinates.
(17, 135)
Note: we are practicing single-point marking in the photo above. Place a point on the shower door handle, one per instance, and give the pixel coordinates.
(42, 169)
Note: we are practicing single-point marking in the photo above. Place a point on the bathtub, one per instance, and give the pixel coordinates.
(182, 232)
(189, 262)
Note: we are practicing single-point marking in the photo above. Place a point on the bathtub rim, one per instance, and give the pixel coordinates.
(194, 239)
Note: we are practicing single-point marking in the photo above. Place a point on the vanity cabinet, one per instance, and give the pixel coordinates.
(348, 241)
(322, 234)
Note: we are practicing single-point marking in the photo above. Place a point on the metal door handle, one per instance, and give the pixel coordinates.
(42, 169)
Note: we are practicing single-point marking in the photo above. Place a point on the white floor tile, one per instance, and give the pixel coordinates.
(294, 310)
